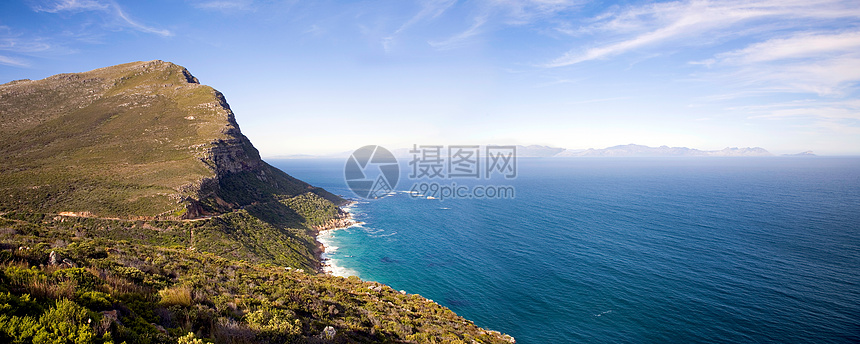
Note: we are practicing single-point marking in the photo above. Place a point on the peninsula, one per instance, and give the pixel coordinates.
(133, 209)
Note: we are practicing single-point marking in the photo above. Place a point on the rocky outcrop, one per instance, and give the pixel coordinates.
(342, 220)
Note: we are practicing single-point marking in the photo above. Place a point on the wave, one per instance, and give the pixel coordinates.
(383, 235)
(331, 267)
(330, 263)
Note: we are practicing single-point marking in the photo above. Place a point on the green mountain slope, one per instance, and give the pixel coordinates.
(146, 141)
(138, 140)
(132, 209)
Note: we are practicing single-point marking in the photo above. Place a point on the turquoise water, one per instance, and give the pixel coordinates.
(626, 250)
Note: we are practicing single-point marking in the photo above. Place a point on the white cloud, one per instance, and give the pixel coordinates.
(804, 45)
(140, 27)
(831, 111)
(823, 63)
(525, 11)
(794, 48)
(430, 9)
(485, 15)
(226, 6)
(109, 7)
(688, 22)
(460, 38)
(19, 45)
(9, 61)
(72, 6)
(16, 43)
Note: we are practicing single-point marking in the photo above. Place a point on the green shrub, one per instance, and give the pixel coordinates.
(14, 329)
(23, 305)
(67, 322)
(84, 279)
(21, 276)
(189, 339)
(95, 300)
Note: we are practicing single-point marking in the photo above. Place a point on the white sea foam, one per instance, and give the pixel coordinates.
(329, 255)
(369, 230)
(329, 260)
(383, 235)
(604, 312)
(335, 270)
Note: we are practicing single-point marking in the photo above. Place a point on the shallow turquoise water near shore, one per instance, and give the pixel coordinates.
(626, 250)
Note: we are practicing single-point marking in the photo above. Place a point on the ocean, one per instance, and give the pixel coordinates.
(614, 250)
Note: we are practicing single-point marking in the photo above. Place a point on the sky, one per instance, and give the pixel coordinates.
(321, 77)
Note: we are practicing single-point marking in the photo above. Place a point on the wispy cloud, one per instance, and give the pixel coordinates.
(140, 27)
(518, 12)
(460, 38)
(803, 45)
(226, 6)
(71, 6)
(824, 63)
(485, 16)
(792, 48)
(689, 22)
(9, 61)
(810, 108)
(831, 77)
(430, 9)
(18, 44)
(109, 7)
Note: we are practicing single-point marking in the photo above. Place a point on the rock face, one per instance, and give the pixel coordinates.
(138, 140)
(341, 220)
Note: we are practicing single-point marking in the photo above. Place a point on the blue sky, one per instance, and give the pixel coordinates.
(321, 77)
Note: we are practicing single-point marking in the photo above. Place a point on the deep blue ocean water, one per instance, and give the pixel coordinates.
(612, 250)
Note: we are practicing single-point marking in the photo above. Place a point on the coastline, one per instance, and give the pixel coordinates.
(324, 248)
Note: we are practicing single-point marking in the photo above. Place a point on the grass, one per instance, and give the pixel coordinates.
(176, 296)
(127, 141)
(134, 148)
(218, 299)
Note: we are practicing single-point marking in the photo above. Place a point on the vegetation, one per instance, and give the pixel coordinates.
(133, 210)
(114, 291)
(138, 140)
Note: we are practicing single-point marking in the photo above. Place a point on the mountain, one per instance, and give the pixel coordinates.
(133, 209)
(633, 150)
(406, 154)
(806, 153)
(140, 140)
(536, 151)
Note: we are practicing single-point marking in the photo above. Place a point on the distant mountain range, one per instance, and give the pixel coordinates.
(632, 150)
(806, 153)
(629, 150)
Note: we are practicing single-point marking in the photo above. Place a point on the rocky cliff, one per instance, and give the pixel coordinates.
(138, 140)
(133, 209)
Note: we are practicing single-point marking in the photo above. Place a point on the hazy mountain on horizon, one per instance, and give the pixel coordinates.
(540, 151)
(634, 150)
